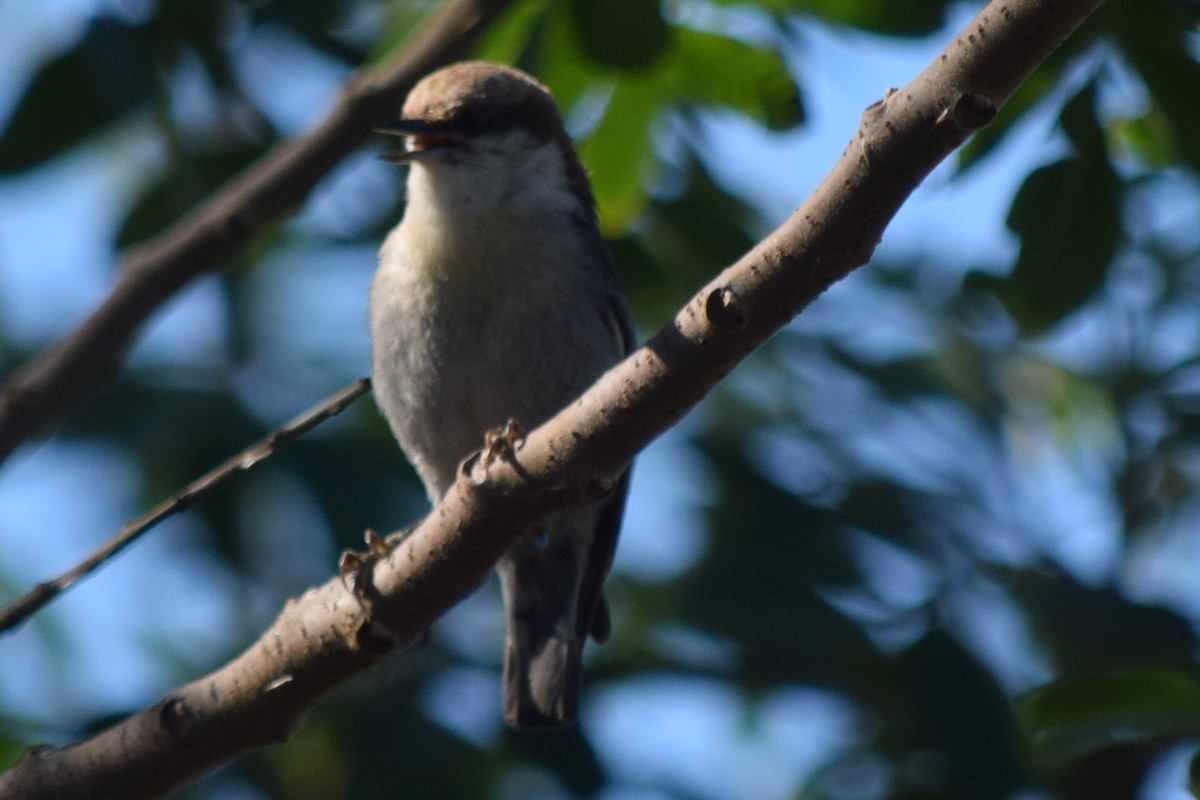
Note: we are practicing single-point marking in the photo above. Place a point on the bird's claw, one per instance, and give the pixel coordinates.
(358, 566)
(502, 442)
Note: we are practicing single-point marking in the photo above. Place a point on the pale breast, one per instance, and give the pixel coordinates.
(482, 342)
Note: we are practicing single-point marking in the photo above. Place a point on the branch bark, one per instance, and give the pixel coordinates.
(324, 637)
(39, 394)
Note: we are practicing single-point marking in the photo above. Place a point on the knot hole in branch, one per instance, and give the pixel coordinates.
(175, 717)
(724, 310)
(971, 111)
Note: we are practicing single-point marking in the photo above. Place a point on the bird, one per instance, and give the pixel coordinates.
(495, 299)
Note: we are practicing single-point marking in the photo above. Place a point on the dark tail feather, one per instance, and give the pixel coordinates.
(541, 678)
(548, 621)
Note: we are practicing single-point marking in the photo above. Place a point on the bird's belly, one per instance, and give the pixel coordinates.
(465, 368)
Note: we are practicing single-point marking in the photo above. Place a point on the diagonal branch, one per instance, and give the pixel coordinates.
(21, 609)
(39, 394)
(324, 637)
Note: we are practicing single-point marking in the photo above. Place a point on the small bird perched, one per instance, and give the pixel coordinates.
(496, 299)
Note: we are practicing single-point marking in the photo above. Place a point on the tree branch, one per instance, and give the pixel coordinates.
(21, 609)
(324, 637)
(39, 394)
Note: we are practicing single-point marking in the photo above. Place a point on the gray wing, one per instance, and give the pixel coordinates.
(593, 617)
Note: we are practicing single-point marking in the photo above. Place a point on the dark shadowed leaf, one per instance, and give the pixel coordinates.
(1156, 43)
(100, 80)
(1035, 89)
(323, 24)
(1075, 716)
(774, 6)
(962, 713)
(625, 34)
(1188, 9)
(1064, 251)
(786, 630)
(1067, 216)
(1089, 629)
(376, 729)
(180, 190)
(691, 236)
(513, 34)
(894, 17)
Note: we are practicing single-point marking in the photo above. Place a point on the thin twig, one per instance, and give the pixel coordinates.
(24, 607)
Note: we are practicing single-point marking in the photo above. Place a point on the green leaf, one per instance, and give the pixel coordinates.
(699, 231)
(680, 242)
(893, 17)
(403, 23)
(104, 77)
(1076, 716)
(751, 80)
(773, 6)
(693, 69)
(1148, 138)
(616, 145)
(507, 40)
(1067, 216)
(624, 34)
(1153, 39)
(11, 749)
(620, 151)
(559, 63)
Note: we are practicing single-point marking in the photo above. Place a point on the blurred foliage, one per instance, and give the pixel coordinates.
(1066, 216)
(1075, 716)
(958, 504)
(104, 77)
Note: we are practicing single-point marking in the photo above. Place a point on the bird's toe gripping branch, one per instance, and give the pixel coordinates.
(355, 567)
(502, 442)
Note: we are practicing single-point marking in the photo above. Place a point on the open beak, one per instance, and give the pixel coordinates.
(422, 140)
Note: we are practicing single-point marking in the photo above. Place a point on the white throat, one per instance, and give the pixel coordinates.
(511, 172)
(486, 212)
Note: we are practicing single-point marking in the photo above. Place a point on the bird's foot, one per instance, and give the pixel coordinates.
(355, 568)
(502, 442)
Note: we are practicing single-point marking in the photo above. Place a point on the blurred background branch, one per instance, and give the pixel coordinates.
(37, 395)
(21, 609)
